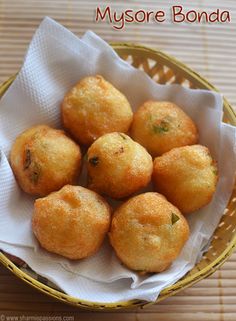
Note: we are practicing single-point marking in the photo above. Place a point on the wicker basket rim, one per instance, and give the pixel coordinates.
(183, 283)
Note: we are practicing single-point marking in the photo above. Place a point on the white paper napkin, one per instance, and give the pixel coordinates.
(55, 61)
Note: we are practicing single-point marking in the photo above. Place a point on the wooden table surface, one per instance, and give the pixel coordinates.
(210, 50)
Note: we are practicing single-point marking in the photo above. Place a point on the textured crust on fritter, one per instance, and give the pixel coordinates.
(148, 233)
(187, 176)
(118, 166)
(160, 126)
(93, 108)
(71, 222)
(44, 159)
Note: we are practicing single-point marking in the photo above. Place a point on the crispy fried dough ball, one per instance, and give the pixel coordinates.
(71, 222)
(118, 166)
(187, 176)
(160, 126)
(148, 232)
(44, 159)
(93, 108)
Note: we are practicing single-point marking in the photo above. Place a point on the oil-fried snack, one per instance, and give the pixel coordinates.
(118, 166)
(44, 159)
(93, 108)
(187, 176)
(148, 233)
(160, 126)
(71, 222)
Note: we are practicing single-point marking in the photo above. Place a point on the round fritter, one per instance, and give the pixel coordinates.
(71, 222)
(187, 176)
(44, 159)
(118, 166)
(148, 233)
(93, 108)
(160, 126)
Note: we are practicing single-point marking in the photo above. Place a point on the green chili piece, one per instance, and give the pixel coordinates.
(122, 136)
(35, 173)
(162, 127)
(27, 160)
(174, 218)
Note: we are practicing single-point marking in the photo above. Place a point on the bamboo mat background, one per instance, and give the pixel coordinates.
(211, 51)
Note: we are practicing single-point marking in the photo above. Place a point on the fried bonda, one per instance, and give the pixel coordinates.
(94, 107)
(44, 159)
(160, 126)
(118, 166)
(71, 222)
(148, 232)
(187, 176)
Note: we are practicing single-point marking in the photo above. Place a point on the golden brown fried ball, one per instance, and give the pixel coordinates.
(44, 159)
(71, 222)
(187, 176)
(160, 126)
(118, 166)
(93, 108)
(148, 232)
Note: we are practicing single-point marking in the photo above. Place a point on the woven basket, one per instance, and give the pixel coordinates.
(164, 70)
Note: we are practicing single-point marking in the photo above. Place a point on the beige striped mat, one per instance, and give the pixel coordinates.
(210, 49)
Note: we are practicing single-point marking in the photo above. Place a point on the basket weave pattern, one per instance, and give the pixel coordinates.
(164, 70)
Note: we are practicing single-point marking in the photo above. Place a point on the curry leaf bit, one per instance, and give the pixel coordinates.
(215, 172)
(122, 136)
(35, 173)
(27, 160)
(162, 127)
(174, 218)
(94, 161)
(119, 151)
